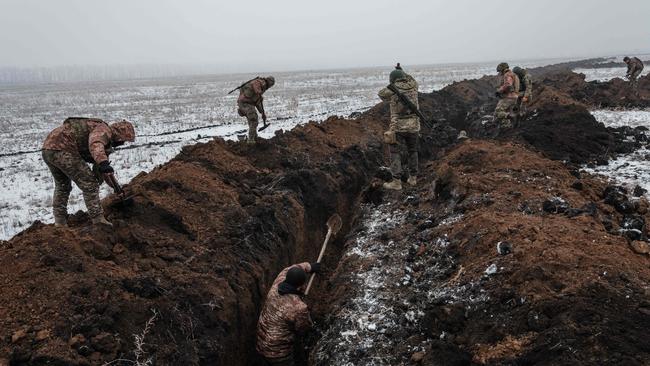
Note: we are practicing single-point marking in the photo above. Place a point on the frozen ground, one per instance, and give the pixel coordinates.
(161, 109)
(632, 169)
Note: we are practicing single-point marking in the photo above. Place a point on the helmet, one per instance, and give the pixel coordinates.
(503, 67)
(626, 59)
(518, 70)
(397, 74)
(296, 276)
(270, 81)
(123, 131)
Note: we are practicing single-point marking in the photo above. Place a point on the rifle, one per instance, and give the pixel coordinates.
(241, 86)
(410, 104)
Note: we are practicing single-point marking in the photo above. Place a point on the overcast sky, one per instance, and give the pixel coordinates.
(245, 35)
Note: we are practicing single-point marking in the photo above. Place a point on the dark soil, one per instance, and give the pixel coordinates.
(208, 231)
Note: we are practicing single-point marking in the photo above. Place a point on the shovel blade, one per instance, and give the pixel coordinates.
(264, 127)
(334, 223)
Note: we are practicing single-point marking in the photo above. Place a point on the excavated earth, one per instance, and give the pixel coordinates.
(181, 278)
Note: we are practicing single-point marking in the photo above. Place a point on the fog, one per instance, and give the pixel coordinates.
(261, 35)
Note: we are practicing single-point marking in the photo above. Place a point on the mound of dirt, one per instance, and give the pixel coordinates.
(194, 254)
(425, 277)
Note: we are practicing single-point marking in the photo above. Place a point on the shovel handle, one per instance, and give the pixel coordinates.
(320, 257)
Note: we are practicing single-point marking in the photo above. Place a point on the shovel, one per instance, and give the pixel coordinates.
(333, 226)
(124, 199)
(264, 127)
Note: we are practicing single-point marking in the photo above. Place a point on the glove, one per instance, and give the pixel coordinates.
(315, 267)
(524, 99)
(105, 167)
(497, 94)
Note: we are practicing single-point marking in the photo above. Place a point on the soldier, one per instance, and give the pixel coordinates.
(525, 89)
(634, 68)
(250, 98)
(284, 315)
(68, 149)
(508, 92)
(404, 130)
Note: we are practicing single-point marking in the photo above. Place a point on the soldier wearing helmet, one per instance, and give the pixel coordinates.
(403, 133)
(507, 92)
(525, 89)
(250, 101)
(634, 68)
(68, 150)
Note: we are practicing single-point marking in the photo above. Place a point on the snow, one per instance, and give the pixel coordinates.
(629, 169)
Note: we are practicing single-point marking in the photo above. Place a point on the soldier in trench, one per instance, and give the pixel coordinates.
(284, 315)
(403, 133)
(68, 150)
(508, 93)
(525, 90)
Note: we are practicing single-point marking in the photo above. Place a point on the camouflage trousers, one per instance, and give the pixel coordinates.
(634, 78)
(67, 167)
(248, 110)
(406, 146)
(504, 112)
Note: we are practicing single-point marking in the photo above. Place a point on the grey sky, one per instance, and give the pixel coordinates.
(300, 34)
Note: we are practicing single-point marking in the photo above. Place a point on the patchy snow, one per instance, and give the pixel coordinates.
(629, 169)
(391, 285)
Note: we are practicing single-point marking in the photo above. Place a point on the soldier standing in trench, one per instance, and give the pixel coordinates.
(634, 69)
(69, 148)
(404, 129)
(508, 93)
(525, 90)
(250, 101)
(284, 315)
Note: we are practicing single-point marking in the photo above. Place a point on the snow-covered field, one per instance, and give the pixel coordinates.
(163, 110)
(631, 169)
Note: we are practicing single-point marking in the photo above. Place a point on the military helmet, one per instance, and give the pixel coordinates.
(518, 70)
(270, 81)
(397, 74)
(626, 59)
(503, 67)
(296, 276)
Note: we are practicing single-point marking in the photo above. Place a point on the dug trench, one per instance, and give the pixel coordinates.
(182, 276)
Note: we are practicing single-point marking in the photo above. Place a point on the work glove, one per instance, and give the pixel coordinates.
(315, 267)
(105, 167)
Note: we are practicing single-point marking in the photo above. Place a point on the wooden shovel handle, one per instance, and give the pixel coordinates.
(320, 257)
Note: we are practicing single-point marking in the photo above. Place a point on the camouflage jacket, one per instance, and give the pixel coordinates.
(509, 85)
(91, 138)
(251, 92)
(526, 85)
(634, 65)
(282, 317)
(402, 118)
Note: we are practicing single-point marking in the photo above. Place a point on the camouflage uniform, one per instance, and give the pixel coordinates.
(508, 93)
(525, 90)
(403, 133)
(282, 317)
(250, 99)
(68, 149)
(634, 69)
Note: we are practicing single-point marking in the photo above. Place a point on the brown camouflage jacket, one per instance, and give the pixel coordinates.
(90, 137)
(402, 118)
(282, 317)
(251, 92)
(509, 85)
(634, 65)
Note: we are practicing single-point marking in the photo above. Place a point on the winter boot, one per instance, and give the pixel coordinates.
(61, 221)
(395, 184)
(101, 220)
(412, 181)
